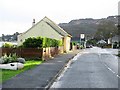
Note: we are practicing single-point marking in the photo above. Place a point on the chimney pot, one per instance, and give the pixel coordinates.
(33, 23)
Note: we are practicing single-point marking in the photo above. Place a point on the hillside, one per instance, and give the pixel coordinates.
(87, 26)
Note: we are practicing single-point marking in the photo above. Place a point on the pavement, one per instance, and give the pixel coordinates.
(41, 76)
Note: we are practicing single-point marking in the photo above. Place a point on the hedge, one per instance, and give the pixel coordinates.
(33, 42)
(40, 42)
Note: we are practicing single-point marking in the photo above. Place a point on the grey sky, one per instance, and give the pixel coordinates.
(17, 15)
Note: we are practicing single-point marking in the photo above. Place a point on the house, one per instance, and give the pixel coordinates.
(46, 28)
(114, 39)
(101, 42)
(10, 38)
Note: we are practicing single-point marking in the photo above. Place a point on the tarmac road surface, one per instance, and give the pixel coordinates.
(91, 68)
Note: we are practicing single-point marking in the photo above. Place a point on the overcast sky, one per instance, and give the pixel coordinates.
(17, 15)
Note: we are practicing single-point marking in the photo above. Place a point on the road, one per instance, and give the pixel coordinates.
(91, 68)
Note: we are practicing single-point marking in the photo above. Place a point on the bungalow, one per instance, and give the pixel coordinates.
(46, 28)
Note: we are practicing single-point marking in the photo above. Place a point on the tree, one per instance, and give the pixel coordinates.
(91, 42)
(106, 29)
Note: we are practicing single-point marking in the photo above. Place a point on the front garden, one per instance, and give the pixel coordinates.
(17, 59)
(7, 74)
(12, 65)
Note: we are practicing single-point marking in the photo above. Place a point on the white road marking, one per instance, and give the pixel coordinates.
(111, 70)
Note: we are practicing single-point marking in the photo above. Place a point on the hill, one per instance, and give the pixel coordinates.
(87, 26)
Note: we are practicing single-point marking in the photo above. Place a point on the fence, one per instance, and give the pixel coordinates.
(43, 53)
(23, 52)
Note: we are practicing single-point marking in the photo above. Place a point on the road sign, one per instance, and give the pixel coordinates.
(82, 36)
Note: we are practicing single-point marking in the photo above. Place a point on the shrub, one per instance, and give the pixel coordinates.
(8, 45)
(8, 59)
(41, 42)
(14, 57)
(5, 58)
(1, 61)
(74, 43)
(33, 42)
(54, 43)
(48, 42)
(60, 43)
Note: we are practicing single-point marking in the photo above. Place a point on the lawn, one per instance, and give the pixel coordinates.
(7, 74)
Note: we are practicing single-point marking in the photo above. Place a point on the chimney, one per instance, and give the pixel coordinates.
(33, 23)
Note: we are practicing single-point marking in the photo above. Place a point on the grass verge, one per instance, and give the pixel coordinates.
(7, 74)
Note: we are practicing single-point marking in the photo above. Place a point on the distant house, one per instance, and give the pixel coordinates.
(114, 39)
(10, 38)
(46, 28)
(101, 42)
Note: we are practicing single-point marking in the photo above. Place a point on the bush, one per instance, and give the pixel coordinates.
(5, 59)
(41, 42)
(8, 59)
(54, 43)
(60, 43)
(8, 45)
(14, 57)
(33, 42)
(74, 43)
(1, 61)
